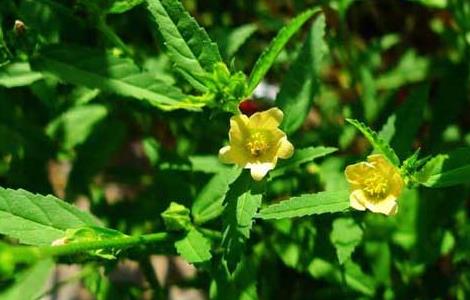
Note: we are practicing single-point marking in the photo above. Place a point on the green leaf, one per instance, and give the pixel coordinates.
(267, 58)
(194, 247)
(446, 169)
(305, 205)
(230, 41)
(75, 125)
(30, 283)
(345, 236)
(301, 83)
(94, 69)
(301, 156)
(353, 276)
(189, 46)
(369, 94)
(38, 220)
(243, 201)
(209, 203)
(378, 144)
(18, 74)
(240, 285)
(121, 6)
(207, 164)
(409, 117)
(388, 130)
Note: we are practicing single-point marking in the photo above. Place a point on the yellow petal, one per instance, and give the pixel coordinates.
(387, 206)
(381, 163)
(355, 200)
(225, 155)
(232, 155)
(238, 129)
(269, 119)
(396, 184)
(286, 149)
(356, 173)
(259, 170)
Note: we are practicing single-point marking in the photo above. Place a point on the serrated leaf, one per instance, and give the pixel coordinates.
(306, 205)
(189, 46)
(75, 125)
(194, 247)
(409, 117)
(36, 219)
(18, 74)
(388, 129)
(345, 236)
(243, 201)
(353, 276)
(378, 144)
(446, 169)
(121, 6)
(267, 58)
(302, 156)
(240, 285)
(209, 203)
(30, 283)
(95, 69)
(230, 41)
(301, 83)
(207, 164)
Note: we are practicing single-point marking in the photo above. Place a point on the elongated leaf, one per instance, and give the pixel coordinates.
(194, 247)
(301, 84)
(207, 164)
(30, 283)
(94, 69)
(243, 201)
(267, 58)
(409, 118)
(121, 6)
(209, 203)
(388, 130)
(353, 276)
(305, 205)
(38, 220)
(75, 125)
(229, 41)
(376, 141)
(446, 169)
(189, 46)
(345, 236)
(302, 156)
(18, 74)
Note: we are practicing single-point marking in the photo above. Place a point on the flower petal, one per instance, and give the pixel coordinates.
(238, 129)
(232, 155)
(286, 149)
(388, 206)
(225, 155)
(356, 173)
(269, 119)
(259, 170)
(356, 200)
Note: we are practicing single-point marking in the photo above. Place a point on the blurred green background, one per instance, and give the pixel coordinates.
(405, 63)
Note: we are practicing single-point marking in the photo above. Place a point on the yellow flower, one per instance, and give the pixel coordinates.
(256, 142)
(375, 185)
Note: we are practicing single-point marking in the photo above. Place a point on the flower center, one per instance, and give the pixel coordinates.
(257, 144)
(376, 186)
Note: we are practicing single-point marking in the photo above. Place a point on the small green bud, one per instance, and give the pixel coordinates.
(221, 73)
(176, 217)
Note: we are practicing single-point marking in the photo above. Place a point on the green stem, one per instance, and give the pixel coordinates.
(115, 243)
